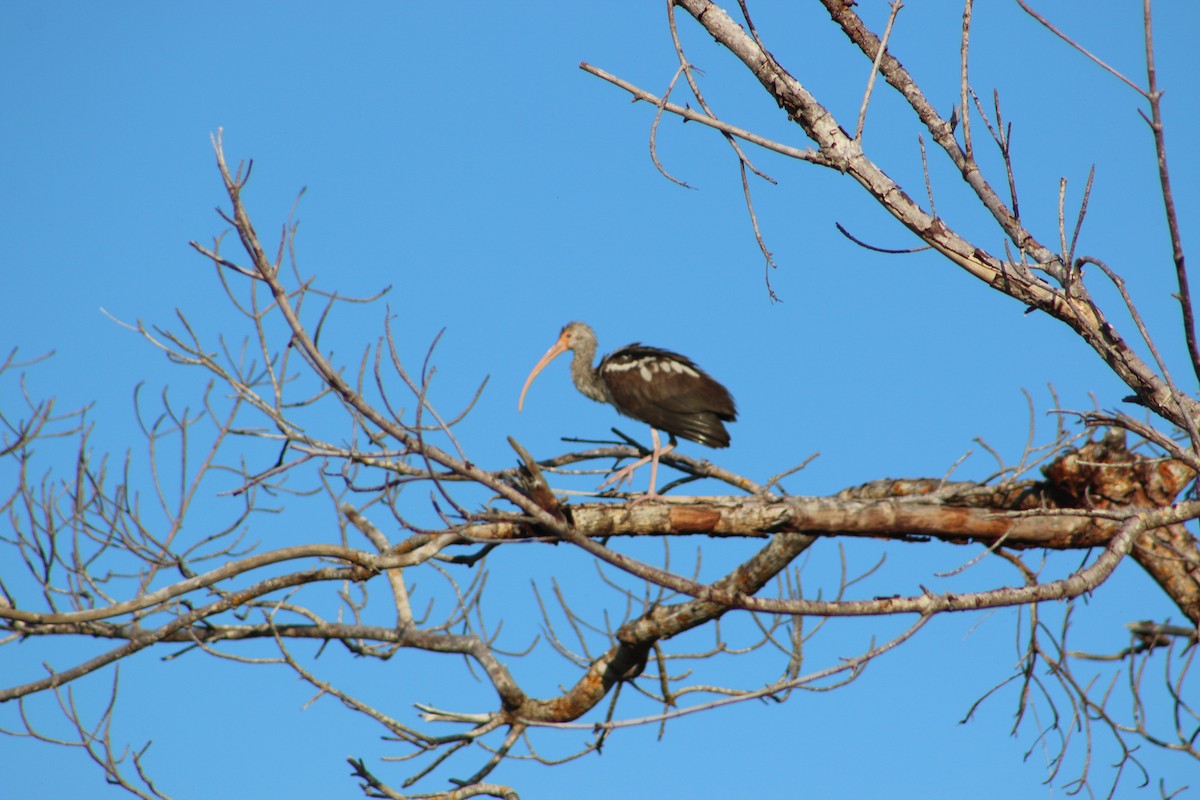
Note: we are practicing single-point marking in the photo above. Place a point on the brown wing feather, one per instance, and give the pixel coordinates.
(669, 392)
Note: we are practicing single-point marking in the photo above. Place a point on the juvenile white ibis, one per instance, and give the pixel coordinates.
(665, 390)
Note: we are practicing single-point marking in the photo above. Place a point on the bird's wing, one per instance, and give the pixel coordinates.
(669, 392)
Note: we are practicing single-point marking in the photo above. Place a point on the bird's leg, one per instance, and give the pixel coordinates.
(658, 451)
(626, 473)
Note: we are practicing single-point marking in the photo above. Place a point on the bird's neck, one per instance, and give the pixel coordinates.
(586, 377)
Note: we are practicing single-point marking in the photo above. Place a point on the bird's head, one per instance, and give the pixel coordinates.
(574, 336)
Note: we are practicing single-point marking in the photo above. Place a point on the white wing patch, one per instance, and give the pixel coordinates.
(679, 367)
(646, 367)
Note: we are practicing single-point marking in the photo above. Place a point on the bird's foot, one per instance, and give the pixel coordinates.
(625, 475)
(642, 498)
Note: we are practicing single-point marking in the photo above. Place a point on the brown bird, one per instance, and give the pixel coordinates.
(665, 390)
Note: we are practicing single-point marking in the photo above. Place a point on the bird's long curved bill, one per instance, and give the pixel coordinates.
(559, 347)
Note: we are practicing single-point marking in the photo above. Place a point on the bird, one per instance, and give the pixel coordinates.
(665, 390)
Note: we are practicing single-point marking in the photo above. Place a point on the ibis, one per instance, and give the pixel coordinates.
(665, 390)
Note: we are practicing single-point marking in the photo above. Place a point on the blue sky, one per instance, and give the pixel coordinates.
(461, 157)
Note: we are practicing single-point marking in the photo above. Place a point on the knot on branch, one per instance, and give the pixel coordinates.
(1106, 474)
(529, 481)
(628, 662)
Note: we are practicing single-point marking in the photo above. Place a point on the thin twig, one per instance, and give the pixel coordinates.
(695, 116)
(896, 5)
(654, 131)
(863, 244)
(1164, 175)
(1048, 26)
(964, 86)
